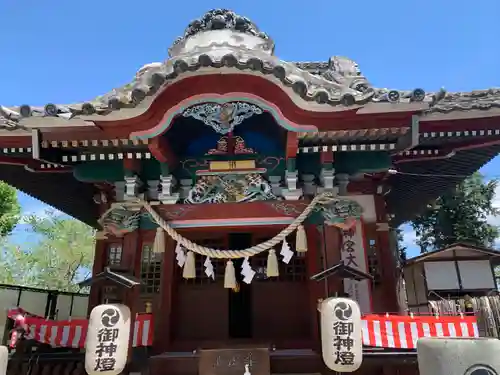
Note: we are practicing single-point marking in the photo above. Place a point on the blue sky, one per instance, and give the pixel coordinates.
(68, 51)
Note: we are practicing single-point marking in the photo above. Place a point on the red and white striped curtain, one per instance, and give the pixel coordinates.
(402, 332)
(386, 331)
(72, 333)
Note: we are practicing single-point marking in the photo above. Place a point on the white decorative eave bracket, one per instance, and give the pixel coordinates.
(36, 144)
(412, 138)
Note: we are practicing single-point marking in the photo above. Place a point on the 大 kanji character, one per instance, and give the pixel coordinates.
(351, 259)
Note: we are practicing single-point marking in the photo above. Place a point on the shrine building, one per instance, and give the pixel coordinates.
(233, 191)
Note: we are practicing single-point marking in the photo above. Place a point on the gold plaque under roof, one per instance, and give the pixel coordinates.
(231, 165)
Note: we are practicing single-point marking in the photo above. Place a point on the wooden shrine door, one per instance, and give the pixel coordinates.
(281, 307)
(199, 305)
(269, 310)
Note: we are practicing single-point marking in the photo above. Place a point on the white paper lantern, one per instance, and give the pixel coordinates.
(4, 359)
(107, 342)
(341, 339)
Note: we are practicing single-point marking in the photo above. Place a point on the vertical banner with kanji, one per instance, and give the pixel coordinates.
(341, 338)
(107, 342)
(353, 255)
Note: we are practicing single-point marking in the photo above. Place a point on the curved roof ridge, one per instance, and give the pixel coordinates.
(223, 39)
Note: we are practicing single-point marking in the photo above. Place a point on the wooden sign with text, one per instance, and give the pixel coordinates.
(233, 361)
(231, 165)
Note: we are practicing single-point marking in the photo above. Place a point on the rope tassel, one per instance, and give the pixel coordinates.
(230, 276)
(159, 243)
(301, 240)
(272, 264)
(189, 270)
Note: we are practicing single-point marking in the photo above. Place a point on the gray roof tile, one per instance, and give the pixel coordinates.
(337, 82)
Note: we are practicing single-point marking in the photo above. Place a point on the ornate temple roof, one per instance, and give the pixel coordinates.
(222, 40)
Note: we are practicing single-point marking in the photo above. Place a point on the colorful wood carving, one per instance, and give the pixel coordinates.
(230, 188)
(222, 117)
(119, 221)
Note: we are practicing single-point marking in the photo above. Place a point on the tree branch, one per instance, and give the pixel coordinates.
(73, 274)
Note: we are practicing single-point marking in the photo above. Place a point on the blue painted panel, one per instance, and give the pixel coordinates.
(259, 142)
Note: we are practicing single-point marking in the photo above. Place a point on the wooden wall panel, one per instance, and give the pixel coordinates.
(201, 313)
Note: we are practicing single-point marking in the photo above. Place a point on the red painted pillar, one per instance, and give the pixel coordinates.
(98, 266)
(313, 267)
(162, 312)
(131, 256)
(332, 241)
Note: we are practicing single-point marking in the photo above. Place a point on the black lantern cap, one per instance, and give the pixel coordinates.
(342, 271)
(122, 279)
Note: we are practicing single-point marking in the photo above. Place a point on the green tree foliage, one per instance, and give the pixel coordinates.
(61, 254)
(14, 264)
(9, 209)
(460, 215)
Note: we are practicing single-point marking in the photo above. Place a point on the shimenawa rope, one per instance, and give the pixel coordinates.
(320, 199)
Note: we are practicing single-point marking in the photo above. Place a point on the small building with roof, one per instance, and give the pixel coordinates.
(450, 273)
